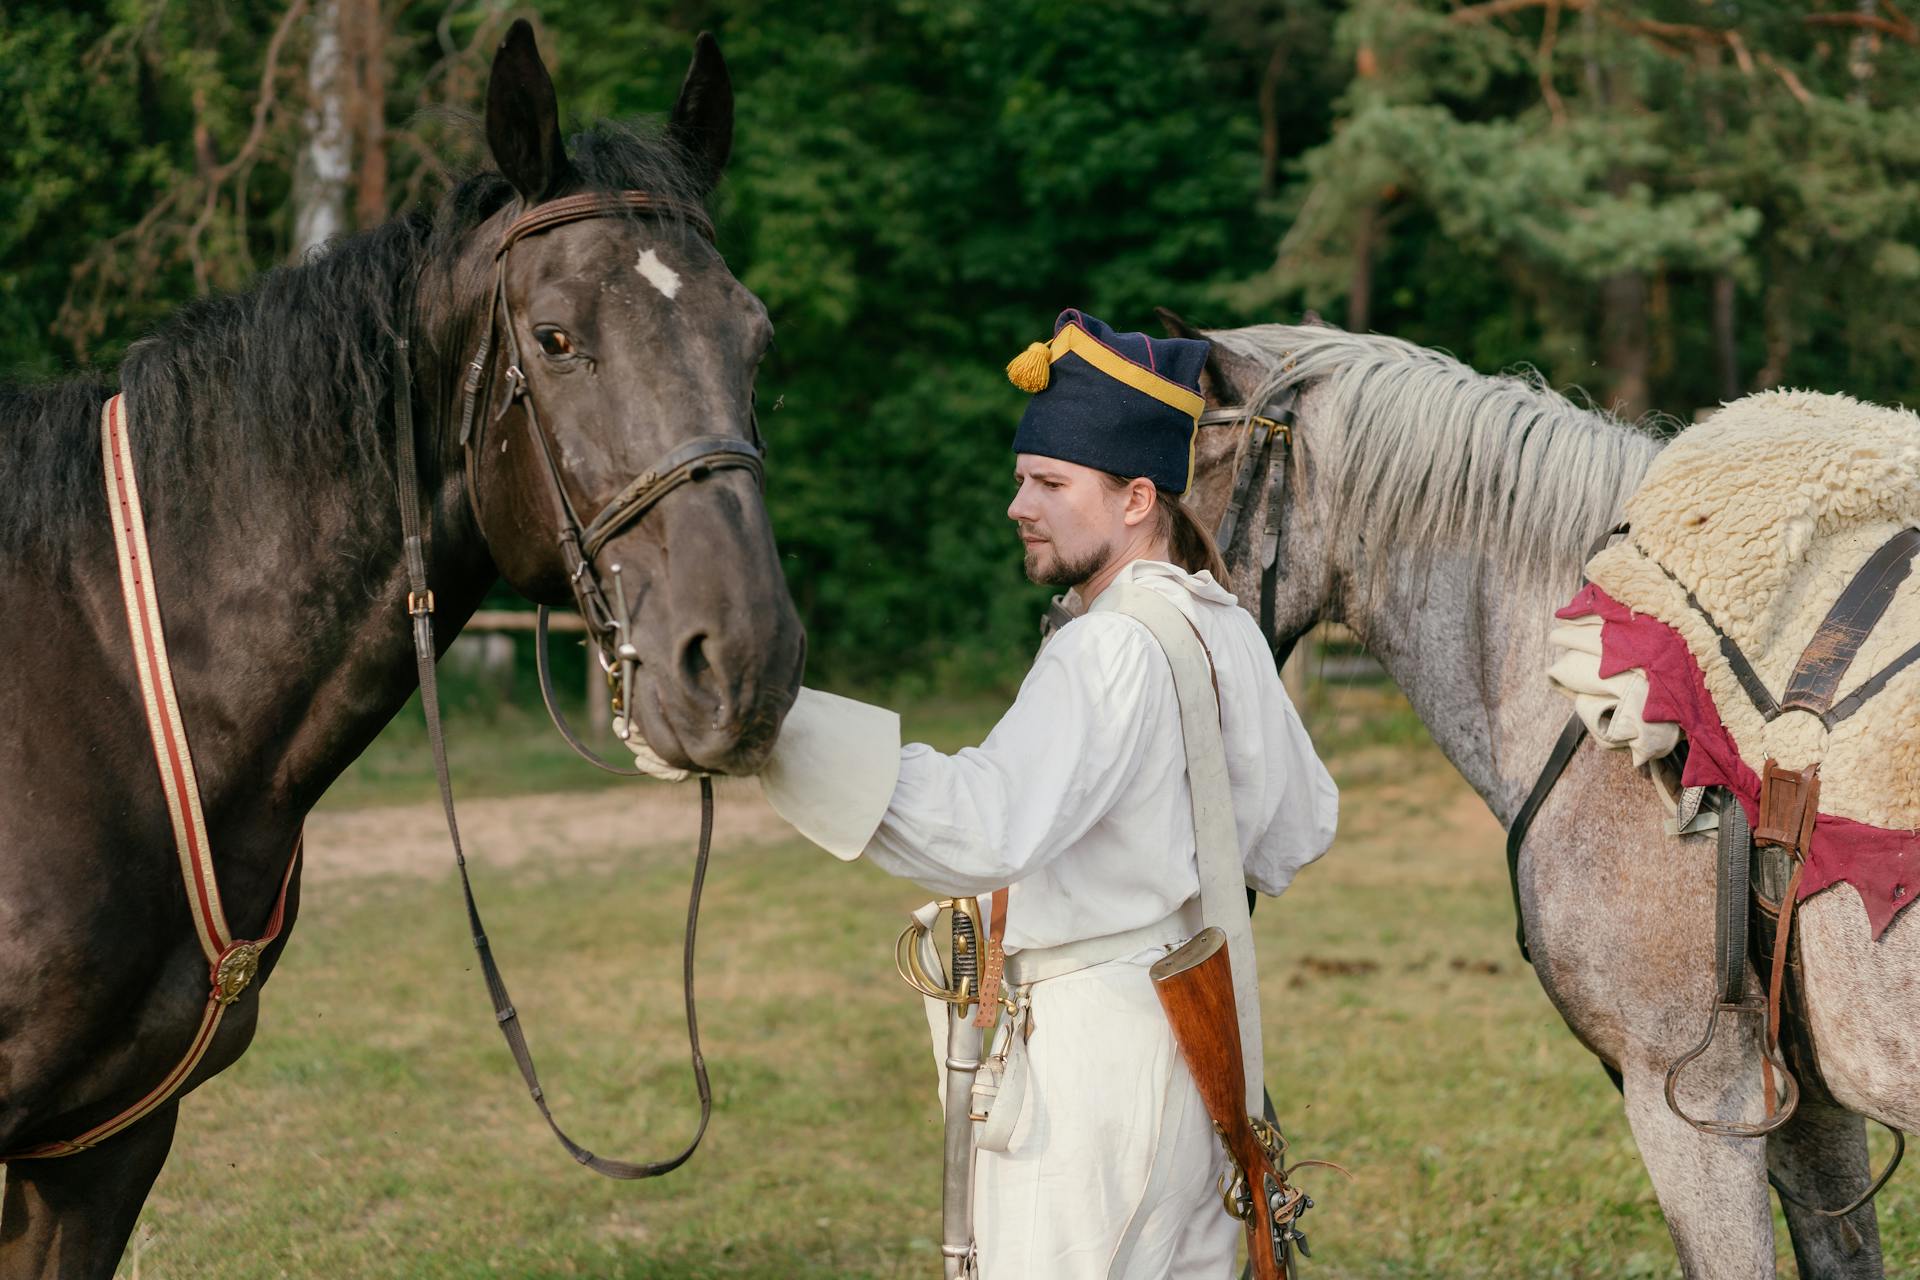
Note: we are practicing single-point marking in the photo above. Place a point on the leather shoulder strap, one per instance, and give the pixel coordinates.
(1223, 880)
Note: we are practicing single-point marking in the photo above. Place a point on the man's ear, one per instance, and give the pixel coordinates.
(1141, 497)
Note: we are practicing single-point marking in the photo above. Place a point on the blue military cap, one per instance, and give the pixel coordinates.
(1120, 402)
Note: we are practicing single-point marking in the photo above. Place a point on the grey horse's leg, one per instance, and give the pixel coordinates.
(1713, 1191)
(1821, 1156)
(69, 1219)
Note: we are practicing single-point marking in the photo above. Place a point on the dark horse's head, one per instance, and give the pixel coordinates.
(621, 353)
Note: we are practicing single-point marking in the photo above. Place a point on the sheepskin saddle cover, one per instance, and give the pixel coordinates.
(1745, 533)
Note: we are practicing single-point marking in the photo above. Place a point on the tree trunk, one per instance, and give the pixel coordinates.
(326, 156)
(369, 52)
(1623, 297)
(1780, 337)
(1860, 51)
(1360, 281)
(1623, 339)
(1726, 346)
(1270, 121)
(1366, 221)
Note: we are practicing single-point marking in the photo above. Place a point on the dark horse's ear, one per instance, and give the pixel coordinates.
(1215, 383)
(523, 118)
(702, 120)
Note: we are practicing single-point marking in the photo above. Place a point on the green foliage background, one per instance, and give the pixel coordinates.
(919, 185)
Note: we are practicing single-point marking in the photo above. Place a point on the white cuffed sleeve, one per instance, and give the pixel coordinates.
(992, 815)
(833, 769)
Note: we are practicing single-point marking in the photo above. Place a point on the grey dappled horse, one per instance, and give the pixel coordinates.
(1443, 515)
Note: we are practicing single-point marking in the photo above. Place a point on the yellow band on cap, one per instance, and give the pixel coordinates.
(1116, 366)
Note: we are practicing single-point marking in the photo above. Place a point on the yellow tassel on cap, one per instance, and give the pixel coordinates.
(1031, 369)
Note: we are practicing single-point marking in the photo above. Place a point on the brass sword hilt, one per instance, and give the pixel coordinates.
(962, 989)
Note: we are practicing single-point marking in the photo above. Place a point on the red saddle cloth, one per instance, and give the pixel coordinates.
(1882, 865)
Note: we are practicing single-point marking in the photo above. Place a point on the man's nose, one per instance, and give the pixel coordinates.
(1020, 509)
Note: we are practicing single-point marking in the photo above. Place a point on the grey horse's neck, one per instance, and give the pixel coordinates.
(1467, 645)
(1452, 511)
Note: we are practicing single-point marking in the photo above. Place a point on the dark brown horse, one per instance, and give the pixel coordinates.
(265, 444)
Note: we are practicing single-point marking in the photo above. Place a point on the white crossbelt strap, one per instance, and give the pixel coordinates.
(1223, 880)
(1038, 964)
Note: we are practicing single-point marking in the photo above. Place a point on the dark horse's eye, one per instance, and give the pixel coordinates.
(554, 342)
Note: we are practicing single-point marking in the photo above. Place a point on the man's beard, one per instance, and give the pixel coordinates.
(1067, 573)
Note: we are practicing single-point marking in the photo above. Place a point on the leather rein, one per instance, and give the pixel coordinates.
(607, 620)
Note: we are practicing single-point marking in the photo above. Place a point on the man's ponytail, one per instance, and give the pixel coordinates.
(1189, 545)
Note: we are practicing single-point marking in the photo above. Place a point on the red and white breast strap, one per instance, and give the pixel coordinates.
(231, 963)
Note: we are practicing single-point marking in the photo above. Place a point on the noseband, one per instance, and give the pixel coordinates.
(582, 541)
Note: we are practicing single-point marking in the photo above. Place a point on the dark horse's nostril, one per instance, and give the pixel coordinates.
(693, 658)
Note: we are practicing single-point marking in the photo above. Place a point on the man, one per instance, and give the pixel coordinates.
(1078, 803)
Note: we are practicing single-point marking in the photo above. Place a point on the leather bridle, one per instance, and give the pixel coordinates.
(582, 541)
(1270, 448)
(607, 621)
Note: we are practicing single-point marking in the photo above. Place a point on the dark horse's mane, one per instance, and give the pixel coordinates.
(290, 376)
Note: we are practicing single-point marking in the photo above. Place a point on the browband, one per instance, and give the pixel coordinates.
(600, 204)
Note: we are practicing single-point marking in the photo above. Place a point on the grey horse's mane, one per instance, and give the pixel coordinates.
(1431, 454)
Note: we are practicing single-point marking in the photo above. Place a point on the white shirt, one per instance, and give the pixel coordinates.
(1078, 799)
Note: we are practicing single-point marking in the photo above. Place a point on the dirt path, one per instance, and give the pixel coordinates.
(505, 831)
(582, 826)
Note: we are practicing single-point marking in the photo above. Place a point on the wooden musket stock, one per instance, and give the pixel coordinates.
(1195, 986)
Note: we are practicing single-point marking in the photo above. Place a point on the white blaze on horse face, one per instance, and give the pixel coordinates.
(657, 273)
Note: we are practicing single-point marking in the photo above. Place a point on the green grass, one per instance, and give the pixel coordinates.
(377, 1127)
(509, 749)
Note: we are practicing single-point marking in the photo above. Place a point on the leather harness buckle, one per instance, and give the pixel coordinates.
(1275, 427)
(419, 603)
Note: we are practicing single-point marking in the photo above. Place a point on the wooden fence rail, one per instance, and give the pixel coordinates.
(511, 622)
(1328, 652)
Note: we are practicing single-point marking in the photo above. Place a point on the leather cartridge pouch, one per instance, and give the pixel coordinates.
(1789, 802)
